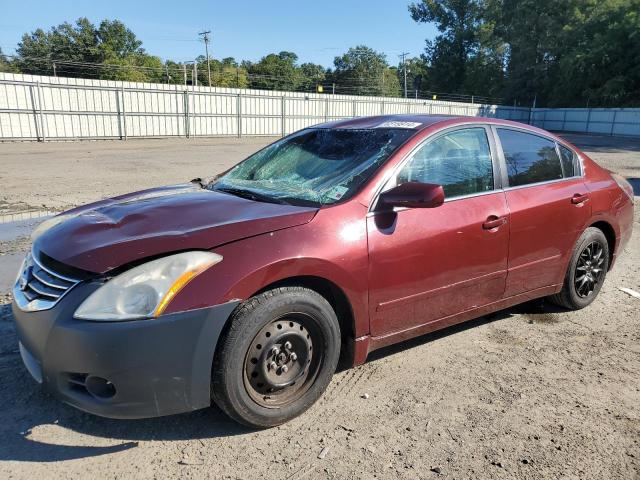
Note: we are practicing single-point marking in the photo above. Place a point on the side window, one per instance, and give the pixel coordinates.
(460, 161)
(569, 161)
(529, 158)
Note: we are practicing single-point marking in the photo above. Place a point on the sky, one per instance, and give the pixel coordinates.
(247, 30)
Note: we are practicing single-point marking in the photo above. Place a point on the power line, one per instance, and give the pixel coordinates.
(353, 85)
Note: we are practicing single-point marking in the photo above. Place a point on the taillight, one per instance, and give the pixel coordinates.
(623, 184)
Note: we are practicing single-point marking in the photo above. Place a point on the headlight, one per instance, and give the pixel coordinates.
(146, 290)
(23, 266)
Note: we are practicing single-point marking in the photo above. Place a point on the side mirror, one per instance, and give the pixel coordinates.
(413, 195)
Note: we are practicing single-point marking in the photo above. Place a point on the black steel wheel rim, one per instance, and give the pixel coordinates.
(283, 360)
(589, 269)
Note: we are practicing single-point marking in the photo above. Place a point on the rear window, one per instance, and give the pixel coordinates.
(529, 158)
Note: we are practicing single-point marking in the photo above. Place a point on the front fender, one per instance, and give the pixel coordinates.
(324, 248)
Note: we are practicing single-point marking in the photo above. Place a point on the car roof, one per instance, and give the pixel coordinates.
(379, 121)
(420, 122)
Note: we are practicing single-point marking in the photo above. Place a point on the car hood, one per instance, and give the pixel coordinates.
(108, 234)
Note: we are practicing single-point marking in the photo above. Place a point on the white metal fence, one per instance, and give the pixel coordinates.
(56, 108)
(607, 121)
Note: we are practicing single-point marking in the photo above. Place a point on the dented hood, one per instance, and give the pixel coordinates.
(111, 233)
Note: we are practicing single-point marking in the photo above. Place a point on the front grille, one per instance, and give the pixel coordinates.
(41, 286)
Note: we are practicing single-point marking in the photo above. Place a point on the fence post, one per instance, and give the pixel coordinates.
(382, 107)
(326, 109)
(613, 122)
(118, 109)
(36, 121)
(187, 126)
(239, 114)
(40, 97)
(588, 120)
(124, 113)
(283, 105)
(354, 109)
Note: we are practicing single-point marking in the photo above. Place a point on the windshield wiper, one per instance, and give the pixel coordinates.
(251, 195)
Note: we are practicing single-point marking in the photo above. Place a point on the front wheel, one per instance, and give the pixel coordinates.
(277, 356)
(586, 272)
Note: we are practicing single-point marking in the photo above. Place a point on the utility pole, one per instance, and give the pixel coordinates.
(205, 36)
(403, 55)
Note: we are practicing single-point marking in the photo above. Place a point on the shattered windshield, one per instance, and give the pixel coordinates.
(314, 166)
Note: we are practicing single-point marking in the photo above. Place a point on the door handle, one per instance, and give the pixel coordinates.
(493, 221)
(579, 198)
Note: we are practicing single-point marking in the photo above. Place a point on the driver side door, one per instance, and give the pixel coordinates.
(427, 264)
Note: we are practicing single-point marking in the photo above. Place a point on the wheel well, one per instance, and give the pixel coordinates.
(338, 301)
(609, 234)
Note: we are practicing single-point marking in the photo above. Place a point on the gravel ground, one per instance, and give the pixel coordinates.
(529, 392)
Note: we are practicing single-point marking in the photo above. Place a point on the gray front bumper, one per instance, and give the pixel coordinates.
(158, 367)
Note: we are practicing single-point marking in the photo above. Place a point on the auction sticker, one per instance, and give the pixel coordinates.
(399, 124)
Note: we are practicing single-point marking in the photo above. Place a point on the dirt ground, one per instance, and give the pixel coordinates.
(61, 175)
(530, 392)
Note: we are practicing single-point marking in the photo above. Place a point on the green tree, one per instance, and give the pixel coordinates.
(531, 31)
(77, 49)
(5, 64)
(228, 73)
(136, 67)
(417, 76)
(224, 73)
(71, 43)
(312, 75)
(458, 59)
(363, 71)
(114, 39)
(600, 65)
(275, 72)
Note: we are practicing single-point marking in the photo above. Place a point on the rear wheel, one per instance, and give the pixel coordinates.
(277, 357)
(586, 272)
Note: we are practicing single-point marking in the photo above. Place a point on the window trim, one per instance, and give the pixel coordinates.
(495, 163)
(506, 186)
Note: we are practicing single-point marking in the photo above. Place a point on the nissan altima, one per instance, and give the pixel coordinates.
(248, 288)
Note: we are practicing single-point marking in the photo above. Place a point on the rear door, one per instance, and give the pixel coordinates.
(548, 204)
(430, 263)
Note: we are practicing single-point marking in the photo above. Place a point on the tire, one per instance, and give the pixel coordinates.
(261, 387)
(578, 291)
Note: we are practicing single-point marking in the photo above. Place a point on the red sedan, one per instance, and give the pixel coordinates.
(247, 289)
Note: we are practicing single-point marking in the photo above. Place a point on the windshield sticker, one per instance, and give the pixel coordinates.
(337, 192)
(398, 124)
